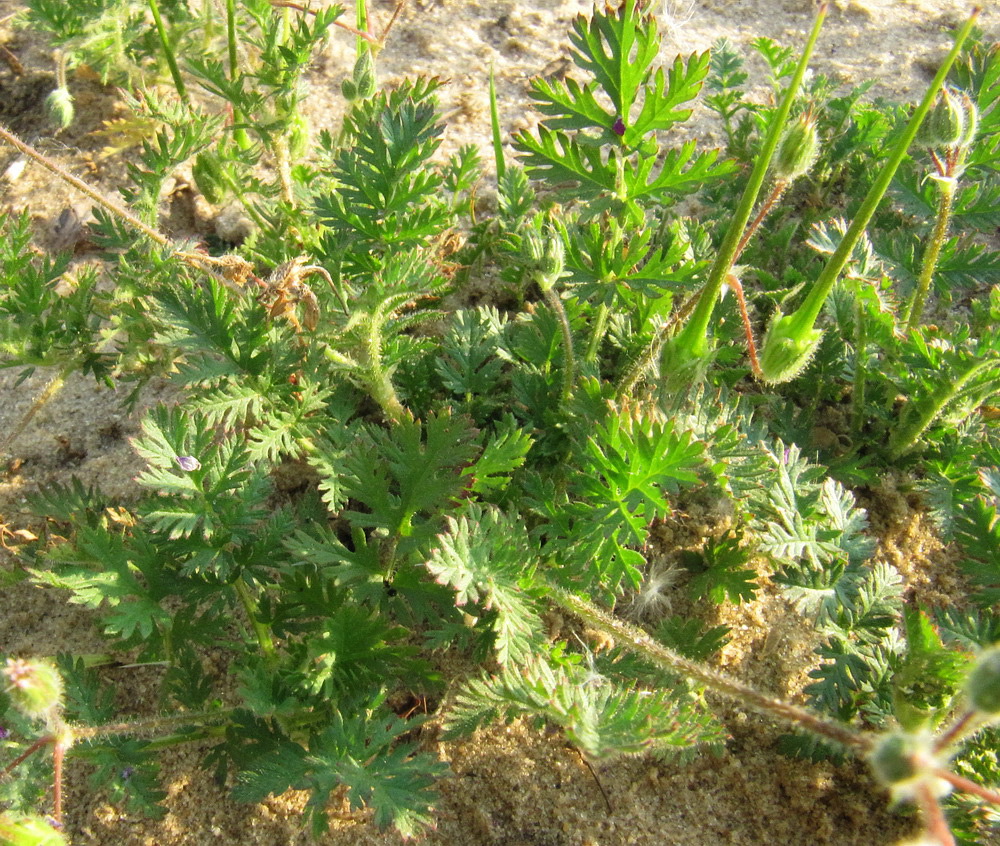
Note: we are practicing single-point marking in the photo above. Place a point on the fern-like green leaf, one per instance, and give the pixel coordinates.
(487, 558)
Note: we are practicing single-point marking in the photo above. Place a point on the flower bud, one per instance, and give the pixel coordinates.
(546, 257)
(361, 85)
(35, 687)
(905, 763)
(59, 105)
(797, 149)
(983, 685)
(298, 137)
(971, 121)
(946, 124)
(208, 176)
(786, 351)
(892, 759)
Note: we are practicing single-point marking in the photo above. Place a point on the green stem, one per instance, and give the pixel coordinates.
(803, 320)
(207, 25)
(114, 208)
(283, 159)
(379, 384)
(860, 370)
(152, 725)
(638, 641)
(495, 129)
(51, 389)
(915, 309)
(168, 52)
(569, 363)
(597, 333)
(239, 133)
(903, 439)
(692, 340)
(261, 630)
(361, 22)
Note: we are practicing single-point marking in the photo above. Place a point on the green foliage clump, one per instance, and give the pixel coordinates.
(463, 467)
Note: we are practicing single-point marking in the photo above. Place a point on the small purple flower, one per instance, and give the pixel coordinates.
(188, 463)
(619, 127)
(4, 733)
(127, 773)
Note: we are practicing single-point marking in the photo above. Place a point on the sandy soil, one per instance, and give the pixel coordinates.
(514, 785)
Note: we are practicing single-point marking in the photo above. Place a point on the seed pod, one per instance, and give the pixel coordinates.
(59, 105)
(797, 150)
(35, 687)
(983, 685)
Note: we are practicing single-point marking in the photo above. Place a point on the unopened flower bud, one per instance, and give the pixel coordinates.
(787, 349)
(361, 85)
(797, 149)
(892, 760)
(35, 687)
(545, 256)
(59, 105)
(209, 176)
(946, 124)
(187, 463)
(905, 763)
(983, 685)
(971, 121)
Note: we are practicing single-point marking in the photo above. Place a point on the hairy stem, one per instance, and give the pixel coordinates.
(692, 341)
(638, 641)
(168, 52)
(597, 333)
(906, 434)
(51, 389)
(569, 360)
(261, 630)
(915, 308)
(805, 317)
(114, 208)
(379, 384)
(239, 133)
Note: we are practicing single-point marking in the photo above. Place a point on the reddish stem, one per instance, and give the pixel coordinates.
(963, 784)
(58, 753)
(737, 287)
(934, 821)
(38, 744)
